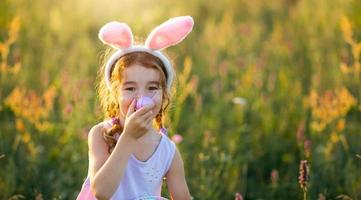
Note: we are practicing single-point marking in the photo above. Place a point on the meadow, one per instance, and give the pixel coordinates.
(261, 86)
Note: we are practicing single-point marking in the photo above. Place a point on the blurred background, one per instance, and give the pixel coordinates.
(262, 85)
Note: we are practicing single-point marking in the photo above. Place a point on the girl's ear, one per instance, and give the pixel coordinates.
(116, 34)
(169, 33)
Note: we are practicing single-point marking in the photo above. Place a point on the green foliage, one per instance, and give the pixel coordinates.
(261, 85)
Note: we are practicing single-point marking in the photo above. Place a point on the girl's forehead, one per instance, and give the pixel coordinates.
(139, 73)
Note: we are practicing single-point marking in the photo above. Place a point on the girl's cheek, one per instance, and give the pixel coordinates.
(158, 103)
(124, 103)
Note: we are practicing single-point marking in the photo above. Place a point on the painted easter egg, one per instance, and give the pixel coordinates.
(142, 101)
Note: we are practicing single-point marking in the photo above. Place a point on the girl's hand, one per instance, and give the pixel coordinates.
(139, 122)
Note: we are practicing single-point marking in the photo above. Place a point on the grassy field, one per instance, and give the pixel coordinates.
(261, 86)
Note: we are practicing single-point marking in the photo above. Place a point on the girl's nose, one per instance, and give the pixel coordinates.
(145, 93)
(140, 94)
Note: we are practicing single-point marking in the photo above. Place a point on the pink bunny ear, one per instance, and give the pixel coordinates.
(116, 34)
(170, 33)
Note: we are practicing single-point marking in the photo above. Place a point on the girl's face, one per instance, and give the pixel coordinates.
(138, 81)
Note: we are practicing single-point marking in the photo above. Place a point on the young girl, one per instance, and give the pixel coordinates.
(130, 153)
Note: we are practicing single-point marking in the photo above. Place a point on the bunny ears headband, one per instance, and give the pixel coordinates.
(119, 36)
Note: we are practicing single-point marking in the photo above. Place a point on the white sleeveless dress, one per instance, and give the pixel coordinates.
(141, 178)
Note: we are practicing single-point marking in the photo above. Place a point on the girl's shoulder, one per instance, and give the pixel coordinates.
(96, 142)
(97, 131)
(100, 126)
(165, 133)
(168, 143)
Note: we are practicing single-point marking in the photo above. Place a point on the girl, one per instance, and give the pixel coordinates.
(130, 153)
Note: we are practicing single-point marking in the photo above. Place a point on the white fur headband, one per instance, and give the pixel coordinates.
(119, 36)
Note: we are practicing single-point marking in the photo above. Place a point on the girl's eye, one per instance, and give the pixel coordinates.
(153, 88)
(129, 88)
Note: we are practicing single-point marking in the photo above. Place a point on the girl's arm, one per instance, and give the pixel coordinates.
(176, 181)
(106, 171)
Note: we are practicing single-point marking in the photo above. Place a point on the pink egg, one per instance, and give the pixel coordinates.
(142, 101)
